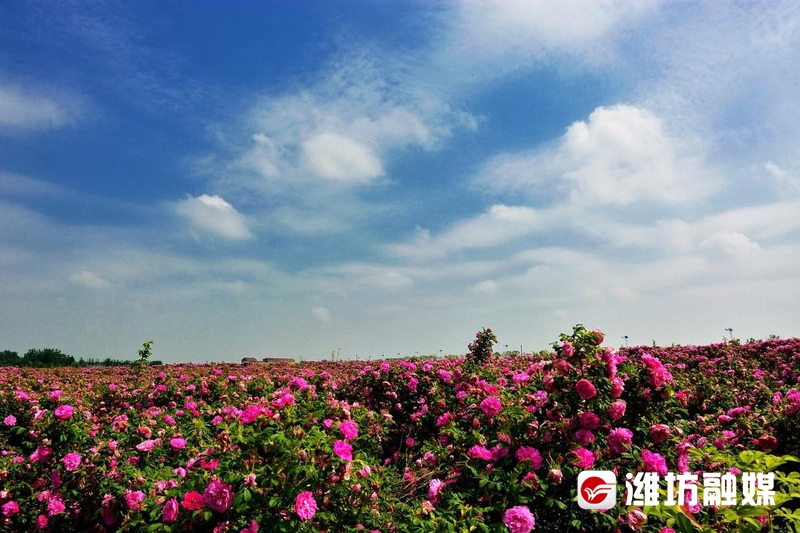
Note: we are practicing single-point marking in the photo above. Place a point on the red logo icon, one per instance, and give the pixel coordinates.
(597, 489)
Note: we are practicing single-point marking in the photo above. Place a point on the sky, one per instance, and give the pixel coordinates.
(379, 178)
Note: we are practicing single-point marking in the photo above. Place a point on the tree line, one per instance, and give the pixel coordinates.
(52, 357)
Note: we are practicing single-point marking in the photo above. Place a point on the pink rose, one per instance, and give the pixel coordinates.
(479, 452)
(659, 433)
(585, 389)
(584, 436)
(434, 487)
(590, 420)
(532, 454)
(63, 412)
(617, 386)
(343, 450)
(305, 505)
(192, 501)
(617, 410)
(618, 439)
(491, 406)
(654, 462)
(567, 349)
(71, 461)
(555, 475)
(147, 445)
(134, 498)
(55, 507)
(636, 520)
(519, 519)
(583, 458)
(41, 455)
(169, 513)
(598, 336)
(177, 443)
(218, 496)
(349, 429)
(10, 508)
(250, 415)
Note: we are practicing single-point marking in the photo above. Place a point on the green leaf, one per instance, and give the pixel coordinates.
(683, 524)
(747, 456)
(753, 511)
(153, 527)
(247, 495)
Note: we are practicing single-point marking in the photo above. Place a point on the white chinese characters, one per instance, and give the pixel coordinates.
(717, 489)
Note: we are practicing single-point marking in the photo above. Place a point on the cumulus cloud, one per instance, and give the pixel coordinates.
(344, 125)
(620, 156)
(215, 216)
(341, 159)
(89, 279)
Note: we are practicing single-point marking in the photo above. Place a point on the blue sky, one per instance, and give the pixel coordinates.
(289, 178)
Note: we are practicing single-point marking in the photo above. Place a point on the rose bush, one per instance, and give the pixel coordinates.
(477, 443)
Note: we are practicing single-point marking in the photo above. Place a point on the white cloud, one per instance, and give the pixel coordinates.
(23, 109)
(89, 279)
(322, 314)
(766, 222)
(486, 286)
(500, 36)
(730, 244)
(389, 280)
(215, 216)
(346, 124)
(265, 156)
(341, 159)
(499, 225)
(781, 178)
(527, 27)
(620, 156)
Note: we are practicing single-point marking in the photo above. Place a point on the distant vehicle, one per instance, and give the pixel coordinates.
(253, 360)
(278, 360)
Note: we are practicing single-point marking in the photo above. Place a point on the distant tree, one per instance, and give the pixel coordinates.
(47, 357)
(145, 352)
(9, 358)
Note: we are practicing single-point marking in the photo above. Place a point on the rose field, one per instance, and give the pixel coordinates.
(482, 443)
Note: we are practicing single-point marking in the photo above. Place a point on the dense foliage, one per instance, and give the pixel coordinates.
(53, 358)
(480, 443)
